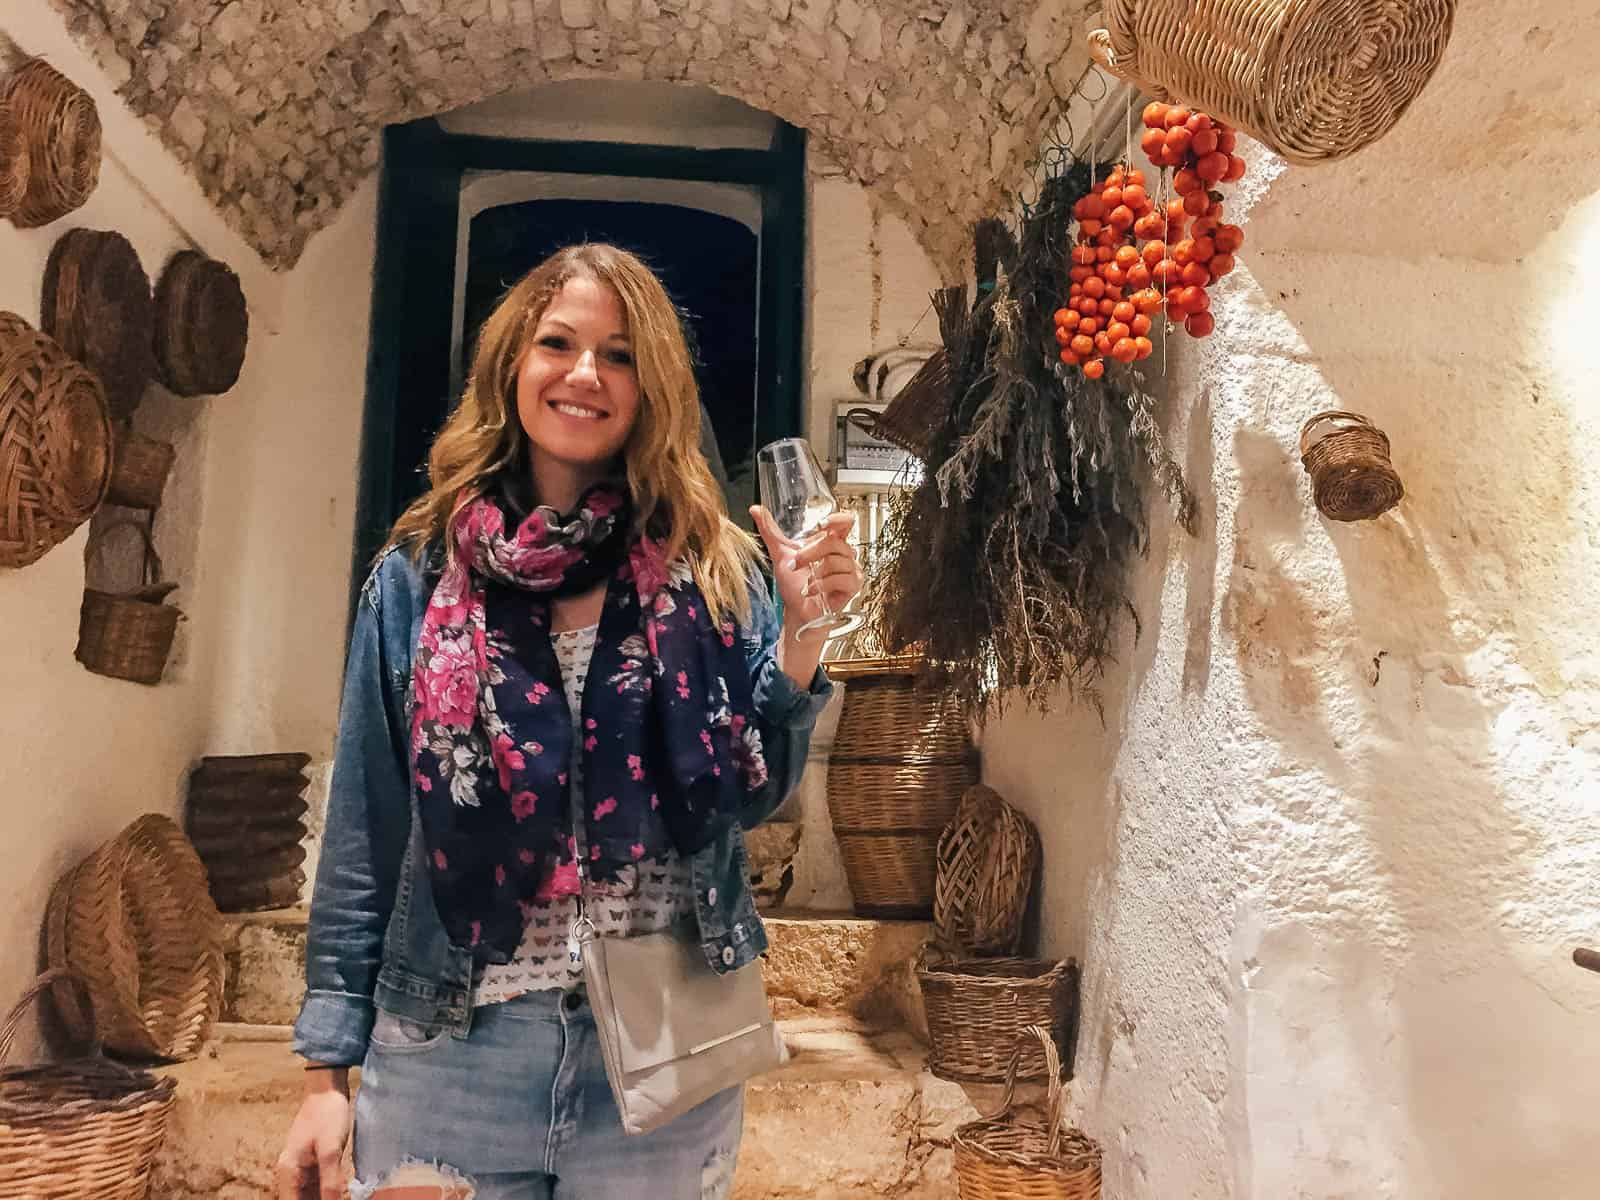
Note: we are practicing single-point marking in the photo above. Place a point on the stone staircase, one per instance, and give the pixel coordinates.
(853, 1115)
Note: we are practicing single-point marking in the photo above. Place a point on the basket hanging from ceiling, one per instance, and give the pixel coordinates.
(1313, 80)
(97, 304)
(61, 132)
(202, 325)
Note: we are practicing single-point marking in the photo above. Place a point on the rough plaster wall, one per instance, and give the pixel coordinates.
(1328, 860)
(277, 104)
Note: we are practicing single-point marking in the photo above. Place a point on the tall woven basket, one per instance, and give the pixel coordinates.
(902, 757)
(87, 1127)
(1314, 80)
(1001, 1158)
(135, 922)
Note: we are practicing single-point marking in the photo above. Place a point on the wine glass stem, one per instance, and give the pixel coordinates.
(822, 599)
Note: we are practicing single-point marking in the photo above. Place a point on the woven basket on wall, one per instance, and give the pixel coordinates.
(1314, 80)
(978, 1009)
(1347, 457)
(134, 920)
(139, 469)
(246, 817)
(61, 130)
(902, 757)
(84, 1127)
(202, 325)
(128, 635)
(55, 443)
(13, 162)
(97, 304)
(987, 857)
(1001, 1158)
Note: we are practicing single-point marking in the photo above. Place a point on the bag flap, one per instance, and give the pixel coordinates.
(670, 1004)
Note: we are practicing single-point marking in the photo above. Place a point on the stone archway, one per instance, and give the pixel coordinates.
(276, 105)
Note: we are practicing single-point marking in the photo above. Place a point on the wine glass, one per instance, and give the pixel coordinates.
(795, 491)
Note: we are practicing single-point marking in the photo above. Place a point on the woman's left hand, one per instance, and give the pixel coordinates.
(838, 571)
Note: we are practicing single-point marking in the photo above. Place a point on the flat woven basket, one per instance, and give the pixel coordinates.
(978, 1008)
(202, 325)
(135, 921)
(86, 1127)
(1001, 1158)
(13, 162)
(128, 635)
(987, 857)
(97, 304)
(55, 444)
(61, 132)
(1347, 457)
(1314, 80)
(901, 759)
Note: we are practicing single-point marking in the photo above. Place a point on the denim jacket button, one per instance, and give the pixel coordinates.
(727, 956)
(711, 895)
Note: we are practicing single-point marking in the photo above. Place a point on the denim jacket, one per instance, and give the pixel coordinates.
(375, 939)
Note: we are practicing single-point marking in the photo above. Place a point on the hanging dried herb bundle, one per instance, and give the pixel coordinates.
(1007, 564)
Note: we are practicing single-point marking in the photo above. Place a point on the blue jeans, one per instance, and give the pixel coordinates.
(520, 1109)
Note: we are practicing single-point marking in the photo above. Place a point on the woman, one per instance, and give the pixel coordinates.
(572, 535)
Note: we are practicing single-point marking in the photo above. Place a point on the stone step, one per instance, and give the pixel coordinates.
(852, 1116)
(816, 963)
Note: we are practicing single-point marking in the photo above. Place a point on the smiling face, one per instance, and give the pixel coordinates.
(577, 389)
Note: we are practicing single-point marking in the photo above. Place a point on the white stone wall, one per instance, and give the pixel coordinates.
(1328, 859)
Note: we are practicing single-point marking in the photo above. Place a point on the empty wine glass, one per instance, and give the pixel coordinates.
(796, 493)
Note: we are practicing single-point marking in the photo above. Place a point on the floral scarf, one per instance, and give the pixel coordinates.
(670, 750)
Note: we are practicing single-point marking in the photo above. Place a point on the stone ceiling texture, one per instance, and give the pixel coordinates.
(277, 105)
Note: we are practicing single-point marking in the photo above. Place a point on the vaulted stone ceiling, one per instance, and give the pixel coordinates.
(277, 105)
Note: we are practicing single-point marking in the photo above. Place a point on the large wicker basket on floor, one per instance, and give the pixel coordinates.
(978, 1009)
(986, 862)
(134, 920)
(1315, 80)
(88, 1127)
(1000, 1158)
(902, 757)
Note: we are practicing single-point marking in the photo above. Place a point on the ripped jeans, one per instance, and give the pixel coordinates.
(520, 1110)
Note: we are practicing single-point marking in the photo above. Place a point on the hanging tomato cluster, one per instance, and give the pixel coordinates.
(1118, 286)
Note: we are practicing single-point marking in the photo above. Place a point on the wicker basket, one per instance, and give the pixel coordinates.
(134, 920)
(978, 1008)
(202, 325)
(55, 444)
(61, 129)
(81, 1128)
(97, 304)
(986, 862)
(139, 469)
(13, 162)
(246, 817)
(1315, 80)
(1347, 457)
(901, 759)
(1000, 1158)
(128, 635)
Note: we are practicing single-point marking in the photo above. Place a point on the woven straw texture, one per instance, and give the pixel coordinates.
(1314, 80)
(987, 857)
(61, 130)
(97, 304)
(246, 818)
(902, 757)
(134, 920)
(978, 1008)
(1000, 1158)
(1347, 457)
(13, 162)
(55, 444)
(83, 1128)
(202, 325)
(128, 635)
(139, 469)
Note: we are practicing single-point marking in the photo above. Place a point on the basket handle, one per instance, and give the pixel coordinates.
(1333, 416)
(1055, 1096)
(152, 569)
(864, 419)
(13, 1022)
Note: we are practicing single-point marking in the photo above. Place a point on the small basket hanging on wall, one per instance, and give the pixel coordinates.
(1347, 457)
(55, 443)
(202, 325)
(61, 131)
(97, 304)
(1313, 80)
(128, 635)
(139, 469)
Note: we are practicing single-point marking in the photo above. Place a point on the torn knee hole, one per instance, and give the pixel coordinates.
(716, 1176)
(421, 1181)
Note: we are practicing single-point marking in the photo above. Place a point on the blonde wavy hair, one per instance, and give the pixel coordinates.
(675, 498)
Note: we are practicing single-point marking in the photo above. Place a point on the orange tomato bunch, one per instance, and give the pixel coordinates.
(1110, 303)
(1187, 260)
